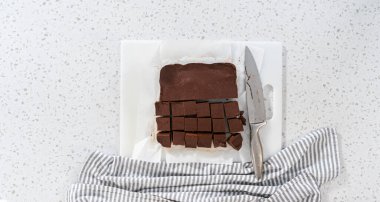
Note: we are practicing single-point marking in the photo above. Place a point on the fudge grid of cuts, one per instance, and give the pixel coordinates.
(190, 111)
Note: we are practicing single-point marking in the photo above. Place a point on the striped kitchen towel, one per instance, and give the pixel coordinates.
(294, 174)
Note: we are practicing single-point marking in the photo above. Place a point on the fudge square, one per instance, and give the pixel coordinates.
(204, 124)
(190, 108)
(163, 123)
(235, 140)
(203, 109)
(231, 109)
(178, 123)
(220, 140)
(218, 126)
(191, 124)
(204, 139)
(235, 125)
(191, 140)
(178, 137)
(217, 110)
(162, 108)
(178, 108)
(164, 139)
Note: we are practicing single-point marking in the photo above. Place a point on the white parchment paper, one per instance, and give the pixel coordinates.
(184, 52)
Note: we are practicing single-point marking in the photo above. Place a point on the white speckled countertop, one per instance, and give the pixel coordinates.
(59, 79)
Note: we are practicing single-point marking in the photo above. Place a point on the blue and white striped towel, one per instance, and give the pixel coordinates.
(294, 174)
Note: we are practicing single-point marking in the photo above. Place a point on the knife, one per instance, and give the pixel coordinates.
(256, 110)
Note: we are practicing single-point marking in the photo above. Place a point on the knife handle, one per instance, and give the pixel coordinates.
(257, 149)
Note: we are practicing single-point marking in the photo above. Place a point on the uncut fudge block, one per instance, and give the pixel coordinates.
(231, 109)
(190, 108)
(191, 140)
(204, 140)
(198, 81)
(235, 140)
(217, 110)
(219, 140)
(178, 123)
(163, 123)
(235, 125)
(164, 139)
(178, 137)
(204, 124)
(178, 108)
(203, 109)
(218, 126)
(191, 124)
(162, 108)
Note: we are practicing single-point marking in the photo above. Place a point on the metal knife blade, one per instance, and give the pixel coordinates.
(256, 110)
(255, 97)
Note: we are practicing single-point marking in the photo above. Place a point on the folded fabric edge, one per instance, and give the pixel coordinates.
(325, 170)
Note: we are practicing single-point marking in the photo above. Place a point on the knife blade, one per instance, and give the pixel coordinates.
(256, 110)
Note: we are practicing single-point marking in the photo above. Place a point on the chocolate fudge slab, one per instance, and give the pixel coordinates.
(198, 81)
(191, 140)
(163, 123)
(235, 125)
(217, 110)
(231, 109)
(204, 140)
(190, 108)
(235, 140)
(164, 139)
(178, 123)
(219, 140)
(218, 126)
(178, 108)
(204, 124)
(191, 124)
(178, 137)
(203, 109)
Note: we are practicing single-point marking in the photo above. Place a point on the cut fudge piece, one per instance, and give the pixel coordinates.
(191, 140)
(164, 139)
(235, 125)
(178, 108)
(204, 140)
(178, 137)
(231, 109)
(218, 126)
(191, 124)
(235, 140)
(190, 108)
(197, 81)
(203, 109)
(217, 110)
(178, 123)
(243, 120)
(162, 108)
(204, 124)
(163, 123)
(219, 140)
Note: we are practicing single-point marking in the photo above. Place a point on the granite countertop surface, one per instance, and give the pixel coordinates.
(59, 80)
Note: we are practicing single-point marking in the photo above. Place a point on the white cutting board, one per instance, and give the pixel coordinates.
(145, 53)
